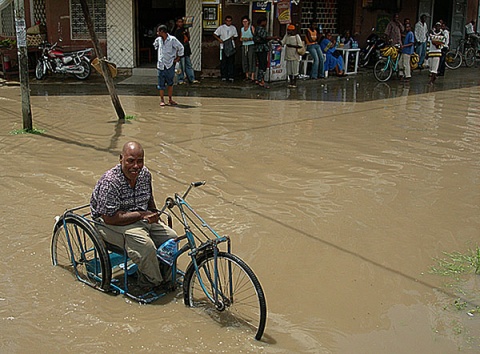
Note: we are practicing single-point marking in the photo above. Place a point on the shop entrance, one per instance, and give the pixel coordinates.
(149, 15)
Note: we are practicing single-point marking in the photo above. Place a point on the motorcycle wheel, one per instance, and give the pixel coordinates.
(40, 70)
(363, 60)
(87, 70)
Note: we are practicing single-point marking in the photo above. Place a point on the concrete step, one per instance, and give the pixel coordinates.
(144, 72)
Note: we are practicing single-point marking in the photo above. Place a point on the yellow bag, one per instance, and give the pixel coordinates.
(414, 60)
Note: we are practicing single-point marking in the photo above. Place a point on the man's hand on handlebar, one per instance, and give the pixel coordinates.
(151, 217)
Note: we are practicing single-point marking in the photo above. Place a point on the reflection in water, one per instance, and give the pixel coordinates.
(339, 208)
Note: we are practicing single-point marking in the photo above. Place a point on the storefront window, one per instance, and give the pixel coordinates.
(97, 12)
(7, 20)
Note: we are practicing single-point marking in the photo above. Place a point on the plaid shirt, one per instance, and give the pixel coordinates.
(113, 193)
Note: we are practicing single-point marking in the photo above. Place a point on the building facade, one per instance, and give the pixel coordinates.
(126, 28)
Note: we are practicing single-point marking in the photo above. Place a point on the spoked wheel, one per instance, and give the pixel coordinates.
(453, 59)
(87, 69)
(470, 57)
(241, 301)
(382, 70)
(76, 247)
(40, 71)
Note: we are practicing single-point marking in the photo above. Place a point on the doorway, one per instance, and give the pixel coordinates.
(149, 15)
(442, 10)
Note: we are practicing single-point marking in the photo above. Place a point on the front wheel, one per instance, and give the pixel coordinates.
(453, 59)
(87, 69)
(470, 57)
(382, 70)
(40, 70)
(241, 301)
(363, 59)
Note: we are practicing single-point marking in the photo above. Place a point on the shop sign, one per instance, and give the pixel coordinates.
(261, 6)
(283, 12)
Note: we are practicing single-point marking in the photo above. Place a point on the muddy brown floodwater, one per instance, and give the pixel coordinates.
(340, 209)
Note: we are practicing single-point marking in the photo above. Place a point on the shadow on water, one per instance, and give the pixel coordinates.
(357, 88)
(113, 147)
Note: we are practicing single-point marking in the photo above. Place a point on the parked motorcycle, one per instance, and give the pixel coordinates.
(370, 54)
(56, 61)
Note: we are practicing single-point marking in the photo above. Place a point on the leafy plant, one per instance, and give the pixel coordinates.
(27, 131)
(457, 263)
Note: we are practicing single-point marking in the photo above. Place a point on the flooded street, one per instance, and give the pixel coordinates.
(340, 208)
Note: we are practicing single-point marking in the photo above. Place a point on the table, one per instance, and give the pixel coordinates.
(346, 55)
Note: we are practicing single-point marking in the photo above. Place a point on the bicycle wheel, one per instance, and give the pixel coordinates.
(382, 70)
(241, 301)
(81, 252)
(453, 59)
(470, 57)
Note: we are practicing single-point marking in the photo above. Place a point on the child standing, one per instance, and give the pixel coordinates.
(407, 51)
(292, 42)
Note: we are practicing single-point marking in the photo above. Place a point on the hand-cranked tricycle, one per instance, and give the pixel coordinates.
(213, 278)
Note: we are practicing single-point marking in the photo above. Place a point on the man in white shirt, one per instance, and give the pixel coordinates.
(169, 50)
(226, 35)
(472, 34)
(421, 33)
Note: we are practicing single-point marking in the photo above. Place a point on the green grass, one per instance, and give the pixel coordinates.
(457, 263)
(27, 131)
(129, 117)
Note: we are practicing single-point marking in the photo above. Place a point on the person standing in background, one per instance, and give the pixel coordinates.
(421, 33)
(436, 40)
(407, 51)
(312, 37)
(183, 36)
(169, 51)
(394, 30)
(248, 49)
(224, 33)
(446, 32)
(261, 38)
(292, 42)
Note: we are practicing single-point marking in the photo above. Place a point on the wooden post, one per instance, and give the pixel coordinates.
(21, 30)
(106, 71)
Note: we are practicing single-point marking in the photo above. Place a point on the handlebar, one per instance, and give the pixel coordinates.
(170, 202)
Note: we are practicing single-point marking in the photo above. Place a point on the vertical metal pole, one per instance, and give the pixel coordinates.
(21, 30)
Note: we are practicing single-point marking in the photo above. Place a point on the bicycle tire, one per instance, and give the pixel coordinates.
(453, 59)
(470, 57)
(89, 262)
(382, 70)
(243, 301)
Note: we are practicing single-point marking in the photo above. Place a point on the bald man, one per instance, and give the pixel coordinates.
(123, 201)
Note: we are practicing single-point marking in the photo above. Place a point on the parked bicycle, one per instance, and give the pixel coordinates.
(214, 278)
(464, 53)
(389, 63)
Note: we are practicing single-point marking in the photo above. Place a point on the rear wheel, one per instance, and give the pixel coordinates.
(453, 59)
(87, 69)
(40, 71)
(76, 247)
(382, 70)
(241, 301)
(470, 57)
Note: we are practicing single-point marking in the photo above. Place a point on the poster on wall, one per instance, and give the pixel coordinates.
(283, 12)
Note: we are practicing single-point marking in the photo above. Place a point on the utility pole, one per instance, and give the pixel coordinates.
(21, 30)
(105, 69)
